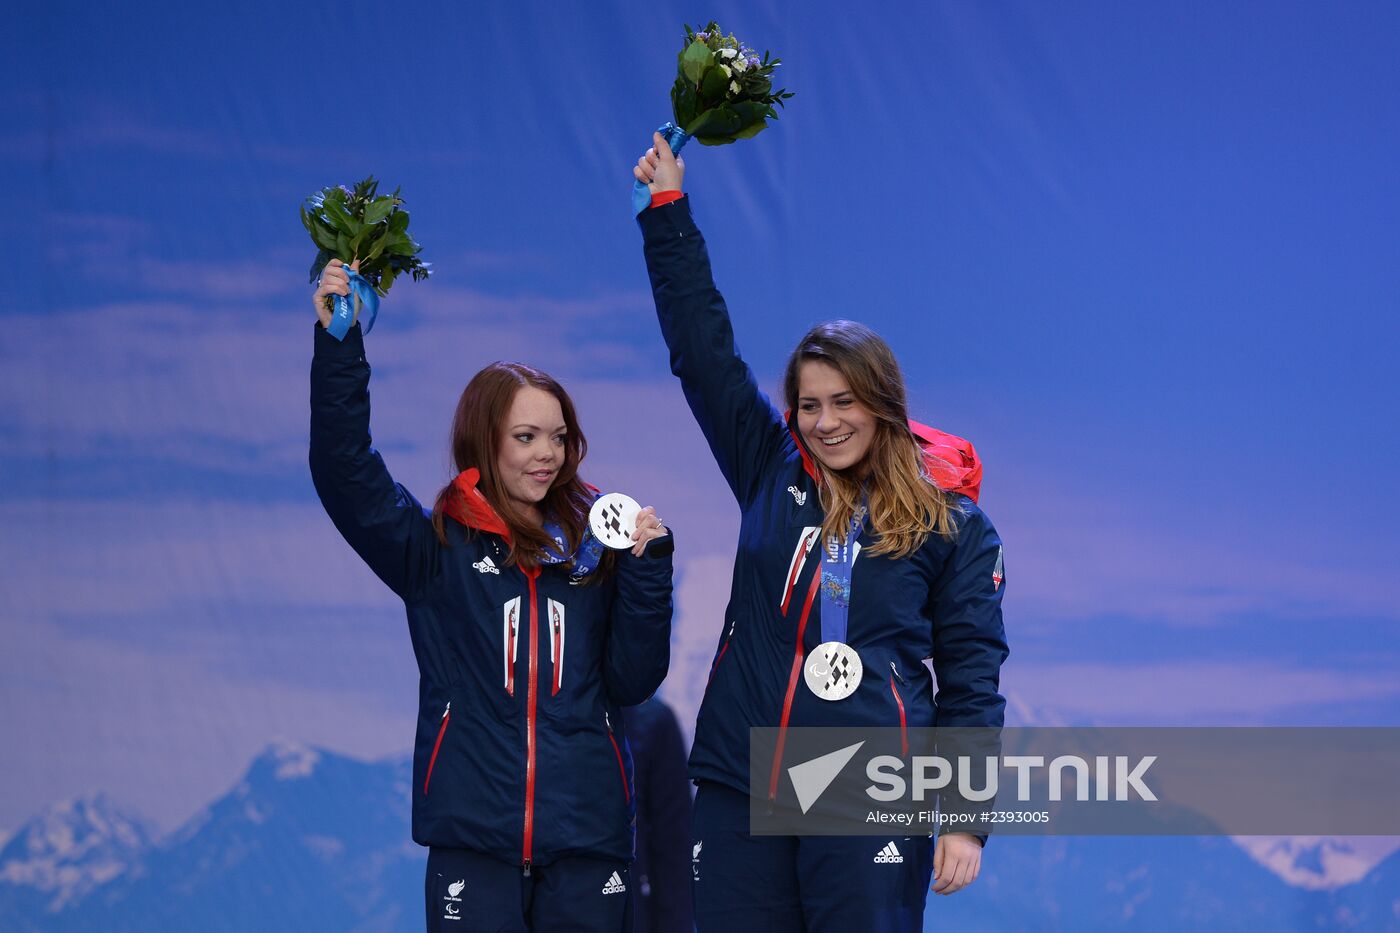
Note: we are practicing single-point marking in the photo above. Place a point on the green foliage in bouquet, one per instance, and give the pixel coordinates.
(724, 90)
(361, 224)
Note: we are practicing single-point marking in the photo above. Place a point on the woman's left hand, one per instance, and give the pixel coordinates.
(957, 858)
(648, 527)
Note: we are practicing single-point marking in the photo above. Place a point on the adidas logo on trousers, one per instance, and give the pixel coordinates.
(889, 854)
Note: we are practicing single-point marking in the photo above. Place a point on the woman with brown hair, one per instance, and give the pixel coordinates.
(529, 638)
(909, 570)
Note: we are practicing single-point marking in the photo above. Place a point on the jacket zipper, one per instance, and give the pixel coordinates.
(719, 657)
(903, 722)
(531, 690)
(621, 768)
(442, 730)
(793, 677)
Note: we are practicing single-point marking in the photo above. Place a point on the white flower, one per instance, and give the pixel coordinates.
(728, 53)
(740, 65)
(734, 87)
(725, 69)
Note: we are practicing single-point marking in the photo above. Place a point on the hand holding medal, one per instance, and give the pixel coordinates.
(620, 523)
(368, 234)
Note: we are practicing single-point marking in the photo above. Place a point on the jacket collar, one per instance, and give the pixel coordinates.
(470, 507)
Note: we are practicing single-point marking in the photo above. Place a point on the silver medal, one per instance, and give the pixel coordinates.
(833, 670)
(613, 519)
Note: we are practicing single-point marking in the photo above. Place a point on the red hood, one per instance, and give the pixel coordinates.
(470, 507)
(951, 461)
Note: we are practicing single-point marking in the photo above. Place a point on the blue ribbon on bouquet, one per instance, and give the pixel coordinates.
(343, 314)
(676, 138)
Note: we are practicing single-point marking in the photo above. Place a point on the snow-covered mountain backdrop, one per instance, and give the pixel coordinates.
(308, 840)
(305, 841)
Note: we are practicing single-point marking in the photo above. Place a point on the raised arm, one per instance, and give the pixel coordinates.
(377, 517)
(744, 432)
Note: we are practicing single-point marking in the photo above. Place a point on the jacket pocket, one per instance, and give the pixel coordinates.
(556, 644)
(437, 746)
(617, 753)
(899, 704)
(719, 655)
(510, 642)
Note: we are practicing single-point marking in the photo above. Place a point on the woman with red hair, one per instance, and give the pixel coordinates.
(530, 637)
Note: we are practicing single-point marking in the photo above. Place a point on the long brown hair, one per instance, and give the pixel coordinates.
(477, 430)
(905, 504)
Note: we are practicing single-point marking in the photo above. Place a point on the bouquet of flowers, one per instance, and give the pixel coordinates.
(360, 224)
(723, 92)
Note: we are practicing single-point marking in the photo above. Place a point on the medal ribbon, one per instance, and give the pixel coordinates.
(836, 579)
(344, 315)
(585, 558)
(676, 138)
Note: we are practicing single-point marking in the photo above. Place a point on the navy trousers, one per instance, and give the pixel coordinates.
(801, 884)
(468, 892)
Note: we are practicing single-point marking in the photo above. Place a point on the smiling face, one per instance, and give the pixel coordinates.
(531, 449)
(837, 428)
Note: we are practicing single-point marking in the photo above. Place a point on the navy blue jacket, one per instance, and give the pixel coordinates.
(661, 898)
(943, 602)
(520, 751)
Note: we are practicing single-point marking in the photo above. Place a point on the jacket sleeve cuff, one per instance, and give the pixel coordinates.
(667, 222)
(660, 548)
(352, 347)
(666, 197)
(980, 837)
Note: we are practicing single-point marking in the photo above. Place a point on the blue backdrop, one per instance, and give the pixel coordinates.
(1143, 256)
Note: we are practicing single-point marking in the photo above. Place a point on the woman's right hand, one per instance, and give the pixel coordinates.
(658, 168)
(334, 281)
